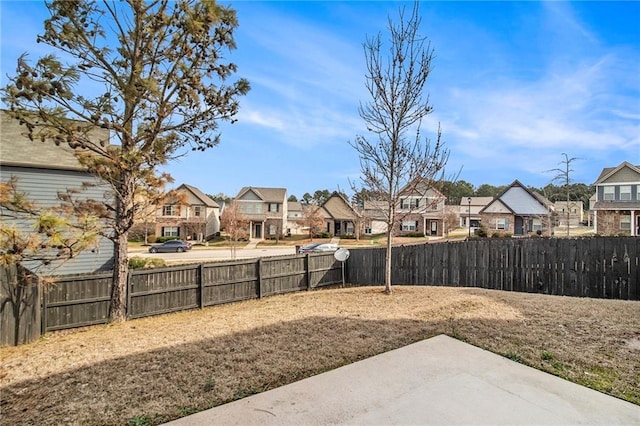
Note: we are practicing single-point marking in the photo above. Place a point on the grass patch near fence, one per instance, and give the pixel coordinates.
(155, 369)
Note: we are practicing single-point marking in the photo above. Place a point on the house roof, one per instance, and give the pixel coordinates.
(616, 205)
(476, 201)
(268, 195)
(519, 200)
(420, 186)
(206, 200)
(337, 207)
(18, 150)
(607, 172)
(294, 206)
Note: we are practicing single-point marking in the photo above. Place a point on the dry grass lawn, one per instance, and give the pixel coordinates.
(156, 369)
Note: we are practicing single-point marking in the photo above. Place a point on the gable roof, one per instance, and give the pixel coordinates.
(268, 195)
(294, 206)
(519, 200)
(420, 186)
(340, 210)
(607, 172)
(206, 200)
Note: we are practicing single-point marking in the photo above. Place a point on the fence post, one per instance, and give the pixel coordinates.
(260, 278)
(200, 288)
(129, 290)
(43, 313)
(307, 271)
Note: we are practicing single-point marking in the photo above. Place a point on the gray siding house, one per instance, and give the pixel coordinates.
(43, 170)
(518, 211)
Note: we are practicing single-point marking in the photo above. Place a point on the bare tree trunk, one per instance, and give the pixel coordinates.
(387, 265)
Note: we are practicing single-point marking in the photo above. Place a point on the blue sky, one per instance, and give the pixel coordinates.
(514, 85)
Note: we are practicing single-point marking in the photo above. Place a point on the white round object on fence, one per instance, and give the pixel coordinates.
(341, 254)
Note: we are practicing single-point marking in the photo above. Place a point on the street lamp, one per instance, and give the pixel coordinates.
(469, 218)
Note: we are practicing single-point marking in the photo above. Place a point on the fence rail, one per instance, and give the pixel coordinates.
(583, 267)
(80, 300)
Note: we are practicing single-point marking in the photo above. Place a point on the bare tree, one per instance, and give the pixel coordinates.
(563, 177)
(395, 157)
(313, 219)
(235, 225)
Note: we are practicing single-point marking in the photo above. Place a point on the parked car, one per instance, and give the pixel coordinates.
(318, 248)
(170, 246)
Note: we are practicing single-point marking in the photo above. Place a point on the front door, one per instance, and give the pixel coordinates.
(337, 228)
(518, 226)
(434, 227)
(257, 230)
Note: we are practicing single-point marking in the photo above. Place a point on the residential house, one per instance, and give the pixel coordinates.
(266, 210)
(374, 216)
(569, 213)
(518, 211)
(617, 205)
(295, 219)
(421, 209)
(470, 211)
(43, 171)
(189, 214)
(339, 216)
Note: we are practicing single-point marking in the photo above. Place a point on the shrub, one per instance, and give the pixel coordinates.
(414, 234)
(163, 239)
(137, 262)
(496, 234)
(348, 237)
(323, 235)
(481, 232)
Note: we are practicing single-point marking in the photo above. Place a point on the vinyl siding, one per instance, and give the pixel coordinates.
(42, 187)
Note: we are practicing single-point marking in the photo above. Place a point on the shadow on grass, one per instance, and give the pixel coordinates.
(172, 382)
(160, 385)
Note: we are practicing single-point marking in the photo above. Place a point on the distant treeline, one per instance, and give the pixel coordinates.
(454, 191)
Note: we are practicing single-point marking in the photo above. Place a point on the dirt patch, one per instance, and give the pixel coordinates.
(152, 370)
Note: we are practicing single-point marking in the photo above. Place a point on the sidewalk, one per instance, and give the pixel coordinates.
(438, 381)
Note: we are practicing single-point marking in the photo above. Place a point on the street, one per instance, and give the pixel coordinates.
(208, 255)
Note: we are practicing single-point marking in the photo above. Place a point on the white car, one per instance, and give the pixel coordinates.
(318, 248)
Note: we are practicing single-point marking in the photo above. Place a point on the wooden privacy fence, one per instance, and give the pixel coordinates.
(20, 306)
(584, 267)
(80, 300)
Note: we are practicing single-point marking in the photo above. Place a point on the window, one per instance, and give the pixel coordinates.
(409, 203)
(349, 228)
(625, 222)
(272, 230)
(258, 208)
(367, 231)
(197, 211)
(409, 225)
(273, 207)
(608, 193)
(536, 224)
(170, 231)
(501, 223)
(625, 193)
(169, 211)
